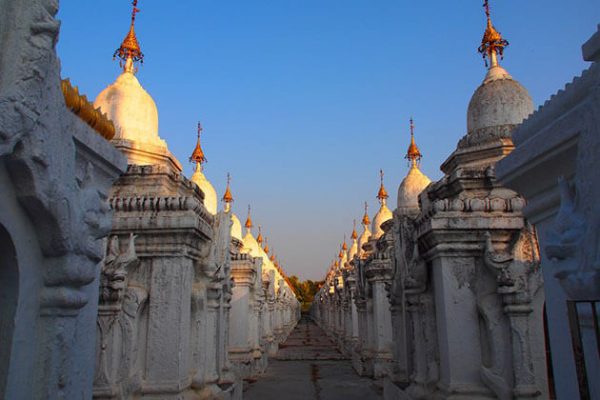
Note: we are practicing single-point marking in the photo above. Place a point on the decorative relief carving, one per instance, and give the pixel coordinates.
(476, 204)
(517, 279)
(114, 272)
(573, 247)
(120, 304)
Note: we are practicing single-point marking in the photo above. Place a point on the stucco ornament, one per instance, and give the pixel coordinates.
(517, 281)
(577, 270)
(114, 272)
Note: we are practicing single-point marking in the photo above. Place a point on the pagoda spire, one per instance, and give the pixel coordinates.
(492, 43)
(248, 223)
(227, 196)
(365, 220)
(413, 154)
(382, 193)
(354, 235)
(259, 238)
(130, 52)
(266, 249)
(198, 155)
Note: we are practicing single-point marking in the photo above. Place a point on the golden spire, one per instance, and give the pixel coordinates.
(248, 224)
(259, 238)
(266, 249)
(365, 220)
(382, 194)
(354, 235)
(198, 155)
(130, 51)
(344, 245)
(227, 197)
(272, 258)
(492, 43)
(413, 154)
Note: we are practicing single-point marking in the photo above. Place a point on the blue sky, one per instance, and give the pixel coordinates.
(304, 101)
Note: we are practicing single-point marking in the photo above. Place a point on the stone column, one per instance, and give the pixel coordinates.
(379, 274)
(272, 340)
(211, 345)
(455, 306)
(241, 324)
(168, 321)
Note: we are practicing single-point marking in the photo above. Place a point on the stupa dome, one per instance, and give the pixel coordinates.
(499, 101)
(132, 110)
(410, 188)
(384, 214)
(210, 194)
(236, 227)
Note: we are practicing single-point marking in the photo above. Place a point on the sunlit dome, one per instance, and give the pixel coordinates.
(415, 181)
(236, 227)
(354, 246)
(251, 246)
(210, 194)
(410, 188)
(132, 110)
(384, 213)
(366, 234)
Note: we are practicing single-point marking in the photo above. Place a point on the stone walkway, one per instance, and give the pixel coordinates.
(308, 366)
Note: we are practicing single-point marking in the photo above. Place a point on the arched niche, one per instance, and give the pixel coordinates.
(9, 294)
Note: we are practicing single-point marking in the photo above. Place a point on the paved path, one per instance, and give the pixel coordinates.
(308, 366)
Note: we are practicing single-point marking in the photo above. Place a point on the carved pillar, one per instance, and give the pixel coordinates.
(378, 274)
(213, 295)
(242, 329)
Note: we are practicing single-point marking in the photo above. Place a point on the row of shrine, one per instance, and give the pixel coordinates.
(443, 297)
(187, 303)
(132, 252)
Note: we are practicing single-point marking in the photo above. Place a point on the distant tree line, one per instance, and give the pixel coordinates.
(305, 290)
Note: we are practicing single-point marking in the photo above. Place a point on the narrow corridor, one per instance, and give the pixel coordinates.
(308, 366)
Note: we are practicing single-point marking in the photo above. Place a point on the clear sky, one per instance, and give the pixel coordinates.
(304, 101)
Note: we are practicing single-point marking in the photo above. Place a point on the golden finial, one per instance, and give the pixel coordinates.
(272, 258)
(259, 238)
(354, 234)
(492, 43)
(344, 245)
(382, 194)
(413, 154)
(227, 197)
(198, 155)
(130, 48)
(266, 249)
(366, 221)
(249, 220)
(336, 263)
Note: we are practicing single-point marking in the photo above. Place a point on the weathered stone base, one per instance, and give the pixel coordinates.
(362, 365)
(392, 391)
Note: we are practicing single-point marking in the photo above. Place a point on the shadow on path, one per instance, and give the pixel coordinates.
(308, 366)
